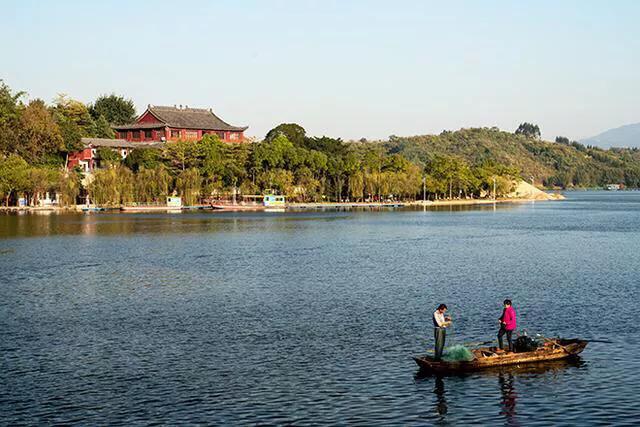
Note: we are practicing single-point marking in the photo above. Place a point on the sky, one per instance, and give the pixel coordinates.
(349, 69)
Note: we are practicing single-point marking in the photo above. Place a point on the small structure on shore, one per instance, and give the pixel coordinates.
(87, 159)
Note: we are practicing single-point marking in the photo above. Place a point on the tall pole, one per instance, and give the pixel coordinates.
(424, 189)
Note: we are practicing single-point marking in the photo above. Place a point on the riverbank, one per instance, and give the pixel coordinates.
(290, 206)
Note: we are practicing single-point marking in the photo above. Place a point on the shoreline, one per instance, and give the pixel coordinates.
(301, 206)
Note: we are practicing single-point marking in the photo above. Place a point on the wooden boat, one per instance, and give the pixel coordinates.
(150, 208)
(237, 207)
(490, 357)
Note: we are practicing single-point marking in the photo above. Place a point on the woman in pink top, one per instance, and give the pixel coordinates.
(507, 324)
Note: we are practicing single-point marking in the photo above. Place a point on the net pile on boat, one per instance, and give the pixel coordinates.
(458, 353)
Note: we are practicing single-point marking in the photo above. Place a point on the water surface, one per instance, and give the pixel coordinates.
(312, 317)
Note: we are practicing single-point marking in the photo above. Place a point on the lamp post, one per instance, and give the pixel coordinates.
(494, 188)
(424, 189)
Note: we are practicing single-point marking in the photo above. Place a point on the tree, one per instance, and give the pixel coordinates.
(292, 131)
(112, 186)
(10, 109)
(562, 140)
(279, 180)
(181, 155)
(148, 158)
(69, 185)
(188, 185)
(74, 121)
(152, 185)
(115, 109)
(529, 130)
(76, 112)
(108, 156)
(103, 129)
(273, 154)
(41, 180)
(39, 134)
(14, 176)
(71, 133)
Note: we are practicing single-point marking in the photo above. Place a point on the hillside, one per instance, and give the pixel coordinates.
(554, 164)
(624, 136)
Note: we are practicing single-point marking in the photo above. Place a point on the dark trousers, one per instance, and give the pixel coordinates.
(501, 333)
(439, 334)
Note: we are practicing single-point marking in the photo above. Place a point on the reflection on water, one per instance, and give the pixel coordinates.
(504, 379)
(32, 224)
(509, 397)
(441, 400)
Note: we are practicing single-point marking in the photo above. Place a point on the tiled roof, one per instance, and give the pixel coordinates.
(135, 126)
(184, 118)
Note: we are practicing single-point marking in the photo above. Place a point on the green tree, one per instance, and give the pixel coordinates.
(279, 180)
(152, 185)
(103, 129)
(108, 157)
(189, 185)
(76, 112)
(69, 186)
(41, 180)
(529, 130)
(14, 176)
(181, 155)
(10, 110)
(112, 186)
(115, 109)
(148, 158)
(292, 131)
(38, 134)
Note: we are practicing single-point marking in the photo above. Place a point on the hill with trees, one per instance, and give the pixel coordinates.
(563, 163)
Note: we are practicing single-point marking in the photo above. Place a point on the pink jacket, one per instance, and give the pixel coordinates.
(509, 318)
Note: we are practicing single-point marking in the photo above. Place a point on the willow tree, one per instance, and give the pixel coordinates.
(112, 186)
(189, 186)
(69, 185)
(152, 185)
(356, 185)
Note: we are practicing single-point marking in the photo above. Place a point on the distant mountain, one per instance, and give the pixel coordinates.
(624, 136)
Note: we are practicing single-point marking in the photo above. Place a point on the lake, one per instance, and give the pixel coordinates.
(313, 317)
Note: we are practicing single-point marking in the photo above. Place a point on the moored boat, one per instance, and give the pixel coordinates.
(237, 207)
(489, 357)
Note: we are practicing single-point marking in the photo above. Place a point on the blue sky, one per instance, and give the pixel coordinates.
(341, 68)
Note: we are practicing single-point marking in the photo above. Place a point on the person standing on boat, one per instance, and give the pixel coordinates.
(507, 324)
(440, 323)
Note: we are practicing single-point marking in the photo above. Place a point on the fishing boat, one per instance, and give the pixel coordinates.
(490, 357)
(236, 207)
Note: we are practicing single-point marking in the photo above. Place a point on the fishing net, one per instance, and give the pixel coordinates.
(457, 353)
